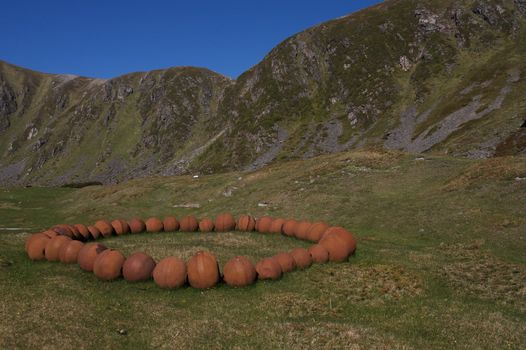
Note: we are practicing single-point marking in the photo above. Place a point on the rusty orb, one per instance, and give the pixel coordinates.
(170, 272)
(336, 246)
(301, 257)
(170, 224)
(263, 224)
(105, 228)
(63, 230)
(277, 226)
(319, 253)
(34, 236)
(76, 232)
(87, 255)
(268, 269)
(83, 231)
(203, 270)
(138, 267)
(36, 246)
(316, 230)
(94, 232)
(137, 225)
(108, 265)
(286, 261)
(189, 224)
(345, 235)
(206, 225)
(239, 272)
(224, 222)
(301, 229)
(289, 227)
(69, 252)
(246, 223)
(154, 225)
(120, 227)
(53, 247)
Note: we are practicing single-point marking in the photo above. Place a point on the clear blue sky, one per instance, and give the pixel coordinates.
(106, 38)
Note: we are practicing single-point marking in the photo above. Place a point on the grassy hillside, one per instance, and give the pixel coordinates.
(440, 260)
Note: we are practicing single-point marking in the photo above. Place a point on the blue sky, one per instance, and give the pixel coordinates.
(108, 38)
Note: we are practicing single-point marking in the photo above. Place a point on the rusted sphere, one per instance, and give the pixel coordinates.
(268, 269)
(206, 225)
(154, 225)
(83, 231)
(105, 228)
(137, 225)
(87, 255)
(170, 272)
(277, 226)
(108, 265)
(316, 230)
(289, 227)
(343, 234)
(203, 271)
(120, 227)
(170, 224)
(189, 224)
(53, 247)
(224, 222)
(246, 223)
(76, 233)
(319, 253)
(45, 234)
(239, 272)
(301, 257)
(286, 261)
(94, 232)
(36, 246)
(63, 230)
(138, 267)
(336, 246)
(69, 252)
(301, 229)
(263, 224)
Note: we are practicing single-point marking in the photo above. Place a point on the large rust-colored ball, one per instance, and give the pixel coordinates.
(301, 229)
(83, 231)
(203, 271)
(224, 222)
(63, 230)
(239, 272)
(289, 227)
(120, 227)
(336, 246)
(316, 230)
(138, 267)
(87, 255)
(36, 246)
(94, 232)
(170, 273)
(137, 225)
(105, 228)
(34, 236)
(206, 225)
(69, 252)
(154, 225)
(108, 265)
(277, 226)
(268, 269)
(344, 235)
(285, 261)
(189, 224)
(301, 257)
(76, 233)
(319, 254)
(53, 247)
(246, 223)
(170, 224)
(263, 224)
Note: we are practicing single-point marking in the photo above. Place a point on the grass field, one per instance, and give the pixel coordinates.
(441, 260)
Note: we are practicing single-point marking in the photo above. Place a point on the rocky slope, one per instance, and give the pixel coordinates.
(419, 76)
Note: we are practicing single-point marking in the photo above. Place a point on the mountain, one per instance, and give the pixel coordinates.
(417, 76)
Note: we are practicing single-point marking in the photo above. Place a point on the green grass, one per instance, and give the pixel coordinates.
(440, 260)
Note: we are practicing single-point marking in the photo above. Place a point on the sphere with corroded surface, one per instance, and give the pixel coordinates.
(206, 225)
(83, 231)
(286, 261)
(94, 232)
(170, 272)
(301, 229)
(239, 272)
(120, 227)
(319, 254)
(36, 246)
(316, 230)
(268, 269)
(203, 271)
(137, 225)
(345, 235)
(246, 223)
(301, 257)
(189, 224)
(108, 265)
(224, 222)
(277, 226)
(104, 227)
(336, 246)
(69, 252)
(289, 227)
(263, 224)
(138, 267)
(154, 225)
(53, 247)
(170, 224)
(87, 255)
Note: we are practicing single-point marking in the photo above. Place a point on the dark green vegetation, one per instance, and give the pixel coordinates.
(440, 76)
(440, 260)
